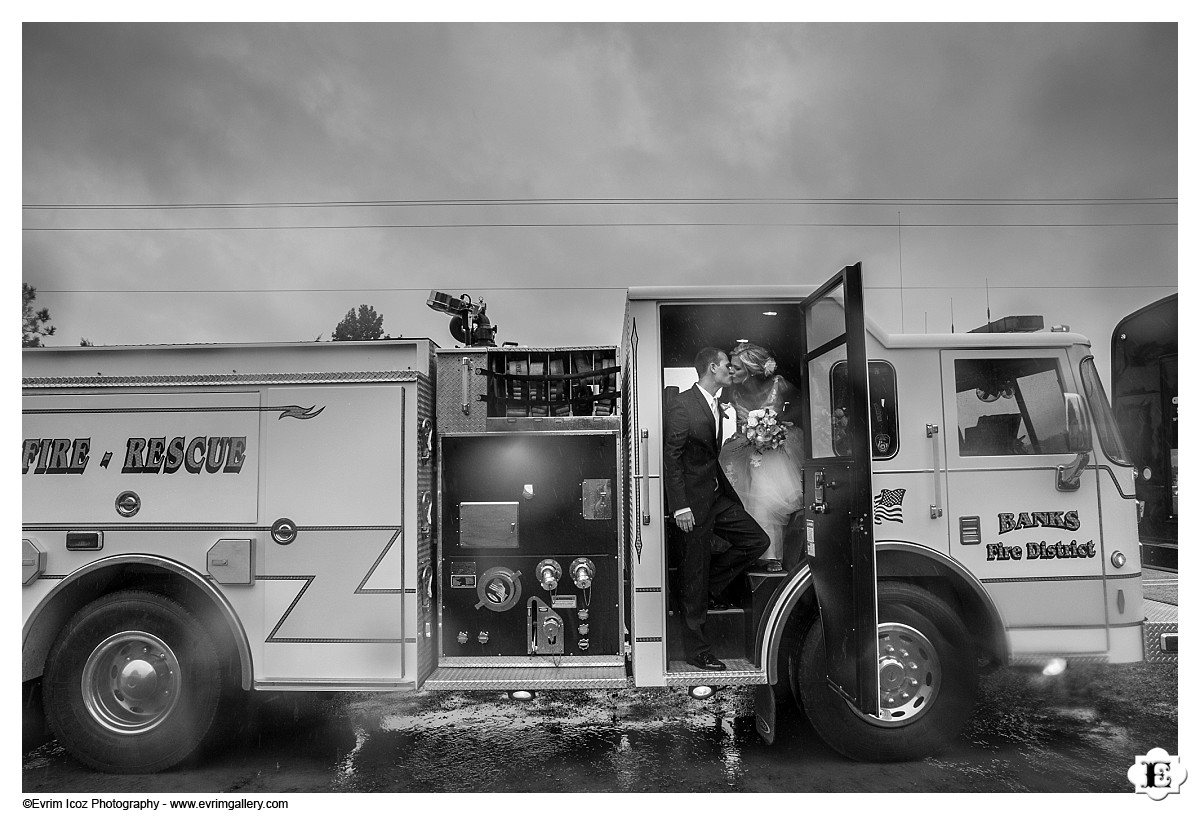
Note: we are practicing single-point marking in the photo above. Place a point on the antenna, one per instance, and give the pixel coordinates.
(951, 314)
(987, 295)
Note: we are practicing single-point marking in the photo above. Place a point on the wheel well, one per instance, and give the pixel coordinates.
(935, 573)
(924, 568)
(157, 576)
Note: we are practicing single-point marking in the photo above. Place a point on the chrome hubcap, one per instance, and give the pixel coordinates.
(131, 682)
(910, 675)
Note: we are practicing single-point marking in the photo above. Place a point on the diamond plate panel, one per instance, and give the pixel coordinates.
(527, 662)
(1154, 634)
(1040, 660)
(1157, 611)
(508, 678)
(739, 671)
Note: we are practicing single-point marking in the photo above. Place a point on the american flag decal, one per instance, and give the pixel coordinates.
(887, 506)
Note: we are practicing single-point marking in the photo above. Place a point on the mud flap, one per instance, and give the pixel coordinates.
(764, 712)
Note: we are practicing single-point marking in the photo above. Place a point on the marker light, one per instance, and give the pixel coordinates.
(1117, 559)
(702, 691)
(283, 531)
(521, 695)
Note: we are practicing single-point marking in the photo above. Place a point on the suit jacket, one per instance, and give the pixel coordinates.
(691, 472)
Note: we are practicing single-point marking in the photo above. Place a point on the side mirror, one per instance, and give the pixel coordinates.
(1079, 442)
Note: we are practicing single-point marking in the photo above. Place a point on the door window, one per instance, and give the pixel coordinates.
(1010, 407)
(881, 385)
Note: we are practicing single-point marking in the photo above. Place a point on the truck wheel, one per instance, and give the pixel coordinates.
(132, 683)
(927, 681)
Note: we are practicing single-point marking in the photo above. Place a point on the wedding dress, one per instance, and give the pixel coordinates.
(770, 484)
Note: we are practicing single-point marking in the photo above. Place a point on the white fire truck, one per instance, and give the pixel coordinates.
(201, 521)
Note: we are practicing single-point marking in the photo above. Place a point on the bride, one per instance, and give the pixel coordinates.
(767, 477)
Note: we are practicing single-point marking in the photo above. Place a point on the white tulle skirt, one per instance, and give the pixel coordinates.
(771, 486)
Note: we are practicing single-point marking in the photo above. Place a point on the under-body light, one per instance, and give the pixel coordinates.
(1054, 667)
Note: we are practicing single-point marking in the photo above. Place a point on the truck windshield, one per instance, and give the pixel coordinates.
(1106, 423)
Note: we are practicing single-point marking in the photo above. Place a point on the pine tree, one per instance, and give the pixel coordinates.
(34, 323)
(361, 324)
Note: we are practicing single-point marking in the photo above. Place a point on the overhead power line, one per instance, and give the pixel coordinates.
(494, 288)
(539, 201)
(444, 226)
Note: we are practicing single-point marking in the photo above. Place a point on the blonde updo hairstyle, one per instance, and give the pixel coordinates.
(756, 358)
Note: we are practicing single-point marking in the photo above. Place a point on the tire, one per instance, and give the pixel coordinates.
(132, 683)
(925, 711)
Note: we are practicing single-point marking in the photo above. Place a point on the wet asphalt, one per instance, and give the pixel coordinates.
(1030, 733)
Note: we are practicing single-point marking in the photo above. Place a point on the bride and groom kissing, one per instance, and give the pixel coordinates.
(743, 490)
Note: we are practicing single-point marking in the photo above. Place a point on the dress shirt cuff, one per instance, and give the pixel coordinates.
(682, 511)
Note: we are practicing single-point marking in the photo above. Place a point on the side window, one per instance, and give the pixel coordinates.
(1010, 407)
(885, 423)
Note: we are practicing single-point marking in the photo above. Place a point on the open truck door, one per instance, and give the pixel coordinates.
(837, 486)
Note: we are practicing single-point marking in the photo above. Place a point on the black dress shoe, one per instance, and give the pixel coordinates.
(717, 604)
(707, 661)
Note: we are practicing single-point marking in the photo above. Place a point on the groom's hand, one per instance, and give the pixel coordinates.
(686, 521)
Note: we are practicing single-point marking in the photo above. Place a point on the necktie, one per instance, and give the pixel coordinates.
(716, 408)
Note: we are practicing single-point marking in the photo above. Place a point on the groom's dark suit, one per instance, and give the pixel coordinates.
(694, 479)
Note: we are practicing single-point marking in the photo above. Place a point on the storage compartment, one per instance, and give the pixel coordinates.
(478, 384)
(552, 383)
(488, 525)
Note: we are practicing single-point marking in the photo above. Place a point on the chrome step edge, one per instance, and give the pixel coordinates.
(542, 678)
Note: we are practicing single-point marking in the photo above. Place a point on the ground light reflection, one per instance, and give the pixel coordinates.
(1075, 732)
(346, 766)
(731, 755)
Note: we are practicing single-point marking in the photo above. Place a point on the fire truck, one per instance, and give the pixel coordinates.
(203, 521)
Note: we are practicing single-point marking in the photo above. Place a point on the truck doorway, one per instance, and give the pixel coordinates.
(766, 372)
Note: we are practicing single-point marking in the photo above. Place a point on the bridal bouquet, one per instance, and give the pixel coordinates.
(765, 432)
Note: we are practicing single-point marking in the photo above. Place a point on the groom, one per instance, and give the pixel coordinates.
(704, 503)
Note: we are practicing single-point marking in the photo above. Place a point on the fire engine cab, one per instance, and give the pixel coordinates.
(201, 521)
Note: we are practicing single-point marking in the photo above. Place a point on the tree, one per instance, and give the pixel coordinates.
(34, 324)
(363, 324)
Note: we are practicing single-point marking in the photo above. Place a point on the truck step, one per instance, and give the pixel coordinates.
(539, 678)
(738, 671)
(1161, 632)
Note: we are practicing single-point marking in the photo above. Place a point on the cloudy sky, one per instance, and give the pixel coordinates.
(544, 168)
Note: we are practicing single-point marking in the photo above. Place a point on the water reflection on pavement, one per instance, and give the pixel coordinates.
(1030, 733)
